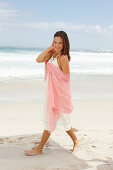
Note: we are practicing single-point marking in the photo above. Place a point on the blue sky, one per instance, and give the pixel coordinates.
(32, 23)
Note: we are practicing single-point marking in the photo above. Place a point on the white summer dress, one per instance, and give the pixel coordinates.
(64, 121)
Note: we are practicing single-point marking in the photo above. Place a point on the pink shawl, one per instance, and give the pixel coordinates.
(59, 95)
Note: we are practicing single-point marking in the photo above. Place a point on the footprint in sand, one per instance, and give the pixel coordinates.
(36, 143)
(1, 140)
(20, 138)
(10, 141)
(93, 146)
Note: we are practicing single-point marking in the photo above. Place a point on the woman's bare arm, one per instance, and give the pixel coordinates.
(44, 56)
(65, 64)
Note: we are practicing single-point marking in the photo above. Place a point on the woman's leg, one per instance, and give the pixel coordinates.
(74, 138)
(38, 149)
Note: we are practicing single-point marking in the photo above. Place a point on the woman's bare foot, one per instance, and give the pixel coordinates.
(76, 145)
(32, 152)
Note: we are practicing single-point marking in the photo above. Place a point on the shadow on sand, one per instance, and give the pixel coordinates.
(54, 156)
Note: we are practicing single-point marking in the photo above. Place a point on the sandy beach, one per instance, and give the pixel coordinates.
(21, 127)
(95, 152)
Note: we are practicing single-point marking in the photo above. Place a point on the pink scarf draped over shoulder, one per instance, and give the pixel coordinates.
(59, 94)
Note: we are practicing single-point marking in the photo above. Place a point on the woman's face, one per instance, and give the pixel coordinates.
(58, 43)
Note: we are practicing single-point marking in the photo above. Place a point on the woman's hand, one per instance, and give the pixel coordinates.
(52, 48)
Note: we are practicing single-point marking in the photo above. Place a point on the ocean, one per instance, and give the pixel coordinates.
(91, 74)
(18, 63)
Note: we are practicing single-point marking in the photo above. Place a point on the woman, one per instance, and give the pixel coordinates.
(57, 54)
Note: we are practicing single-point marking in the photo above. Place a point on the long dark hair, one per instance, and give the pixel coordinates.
(66, 45)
